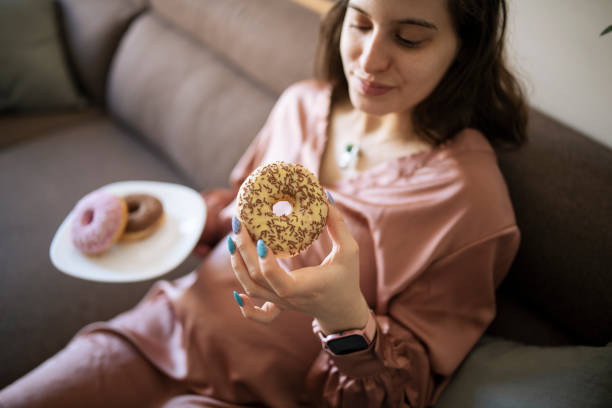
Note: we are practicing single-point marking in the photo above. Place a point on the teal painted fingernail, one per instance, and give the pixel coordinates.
(238, 299)
(230, 245)
(235, 224)
(262, 250)
(329, 197)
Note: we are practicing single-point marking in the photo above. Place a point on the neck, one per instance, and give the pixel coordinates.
(382, 128)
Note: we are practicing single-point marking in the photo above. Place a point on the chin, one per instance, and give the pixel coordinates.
(370, 105)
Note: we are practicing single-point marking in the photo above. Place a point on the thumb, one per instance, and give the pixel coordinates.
(337, 229)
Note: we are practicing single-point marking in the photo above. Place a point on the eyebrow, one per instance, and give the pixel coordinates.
(412, 21)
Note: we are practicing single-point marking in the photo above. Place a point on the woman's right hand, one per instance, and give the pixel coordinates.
(328, 292)
(215, 228)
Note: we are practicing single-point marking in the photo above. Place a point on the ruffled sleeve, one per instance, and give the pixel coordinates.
(428, 330)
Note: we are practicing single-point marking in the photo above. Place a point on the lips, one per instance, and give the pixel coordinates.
(371, 88)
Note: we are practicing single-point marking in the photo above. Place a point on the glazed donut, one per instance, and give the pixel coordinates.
(98, 221)
(286, 235)
(145, 215)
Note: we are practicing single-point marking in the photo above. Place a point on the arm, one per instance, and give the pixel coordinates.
(429, 328)
(392, 372)
(330, 293)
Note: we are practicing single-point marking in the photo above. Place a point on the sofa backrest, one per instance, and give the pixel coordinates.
(197, 79)
(92, 30)
(561, 187)
(271, 41)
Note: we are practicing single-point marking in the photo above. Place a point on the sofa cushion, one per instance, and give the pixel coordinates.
(33, 70)
(40, 307)
(20, 127)
(199, 110)
(515, 320)
(504, 374)
(560, 184)
(273, 41)
(93, 29)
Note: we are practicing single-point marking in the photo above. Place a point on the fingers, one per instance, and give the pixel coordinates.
(247, 250)
(276, 278)
(241, 272)
(265, 277)
(290, 286)
(265, 314)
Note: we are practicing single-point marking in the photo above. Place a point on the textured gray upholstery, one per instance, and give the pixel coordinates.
(40, 307)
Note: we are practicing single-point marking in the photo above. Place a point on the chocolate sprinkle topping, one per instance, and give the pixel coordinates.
(281, 181)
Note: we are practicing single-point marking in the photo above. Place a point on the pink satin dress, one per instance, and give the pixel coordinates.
(437, 235)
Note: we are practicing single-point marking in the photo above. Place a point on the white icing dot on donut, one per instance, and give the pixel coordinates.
(282, 208)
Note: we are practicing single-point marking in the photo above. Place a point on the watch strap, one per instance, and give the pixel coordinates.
(359, 339)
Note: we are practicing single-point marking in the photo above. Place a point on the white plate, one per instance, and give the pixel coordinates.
(138, 260)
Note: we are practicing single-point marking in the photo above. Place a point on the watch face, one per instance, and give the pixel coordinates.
(348, 344)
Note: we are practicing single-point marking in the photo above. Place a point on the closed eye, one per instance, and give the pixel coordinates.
(408, 43)
(359, 27)
(404, 42)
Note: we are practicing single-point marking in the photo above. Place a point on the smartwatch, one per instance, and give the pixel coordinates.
(348, 341)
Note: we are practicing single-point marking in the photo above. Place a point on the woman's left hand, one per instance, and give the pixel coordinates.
(329, 292)
(215, 199)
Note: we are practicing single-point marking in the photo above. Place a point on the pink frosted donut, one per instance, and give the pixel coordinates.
(98, 221)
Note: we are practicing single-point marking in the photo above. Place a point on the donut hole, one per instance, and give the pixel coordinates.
(87, 217)
(282, 208)
(133, 207)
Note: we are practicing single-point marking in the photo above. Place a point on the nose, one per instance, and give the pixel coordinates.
(375, 56)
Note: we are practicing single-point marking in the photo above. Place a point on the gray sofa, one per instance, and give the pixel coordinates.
(176, 89)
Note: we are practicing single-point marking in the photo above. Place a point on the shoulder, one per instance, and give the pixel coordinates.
(306, 93)
(475, 161)
(307, 87)
(469, 141)
(480, 188)
(469, 154)
(305, 103)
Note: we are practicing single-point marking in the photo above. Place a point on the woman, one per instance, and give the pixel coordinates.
(382, 309)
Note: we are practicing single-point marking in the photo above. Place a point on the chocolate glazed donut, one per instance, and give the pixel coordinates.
(145, 215)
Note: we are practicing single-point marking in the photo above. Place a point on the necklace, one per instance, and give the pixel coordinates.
(352, 151)
(348, 157)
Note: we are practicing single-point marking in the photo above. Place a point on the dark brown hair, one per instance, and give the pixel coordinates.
(477, 91)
